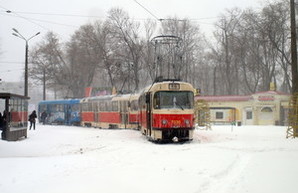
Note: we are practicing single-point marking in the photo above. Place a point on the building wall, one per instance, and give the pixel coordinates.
(231, 110)
(268, 107)
(264, 108)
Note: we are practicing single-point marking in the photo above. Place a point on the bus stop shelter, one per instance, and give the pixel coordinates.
(14, 118)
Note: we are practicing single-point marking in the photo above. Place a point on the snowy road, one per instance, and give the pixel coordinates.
(57, 159)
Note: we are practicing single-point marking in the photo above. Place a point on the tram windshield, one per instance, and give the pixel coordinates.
(173, 100)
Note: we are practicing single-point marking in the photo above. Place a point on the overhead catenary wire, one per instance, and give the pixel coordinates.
(50, 22)
(99, 17)
(20, 16)
(94, 16)
(147, 10)
(59, 14)
(168, 19)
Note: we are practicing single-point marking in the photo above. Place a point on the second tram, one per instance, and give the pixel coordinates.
(62, 112)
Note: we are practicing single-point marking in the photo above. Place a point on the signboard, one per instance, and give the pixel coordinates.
(266, 98)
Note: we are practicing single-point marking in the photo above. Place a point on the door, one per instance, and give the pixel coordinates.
(148, 113)
(124, 113)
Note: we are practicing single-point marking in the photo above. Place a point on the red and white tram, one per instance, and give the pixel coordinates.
(167, 111)
(163, 112)
(111, 111)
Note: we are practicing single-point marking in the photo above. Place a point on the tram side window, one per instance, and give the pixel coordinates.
(123, 106)
(97, 107)
(42, 108)
(142, 102)
(134, 105)
(58, 108)
(101, 106)
(94, 106)
(75, 107)
(89, 106)
(84, 107)
(115, 106)
(108, 106)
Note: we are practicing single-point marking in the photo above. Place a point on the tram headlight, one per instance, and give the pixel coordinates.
(164, 122)
(186, 121)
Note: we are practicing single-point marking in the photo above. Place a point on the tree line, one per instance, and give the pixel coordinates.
(250, 49)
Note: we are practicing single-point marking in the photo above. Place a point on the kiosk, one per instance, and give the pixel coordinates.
(14, 119)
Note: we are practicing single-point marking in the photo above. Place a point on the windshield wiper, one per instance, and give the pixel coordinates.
(179, 105)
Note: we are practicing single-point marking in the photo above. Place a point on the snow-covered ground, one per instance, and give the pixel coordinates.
(61, 159)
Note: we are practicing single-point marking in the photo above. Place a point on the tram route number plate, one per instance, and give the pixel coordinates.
(176, 122)
(174, 86)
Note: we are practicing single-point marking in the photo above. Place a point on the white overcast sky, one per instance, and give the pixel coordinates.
(62, 17)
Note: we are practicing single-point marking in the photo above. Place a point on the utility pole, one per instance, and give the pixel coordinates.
(292, 130)
(44, 83)
(294, 48)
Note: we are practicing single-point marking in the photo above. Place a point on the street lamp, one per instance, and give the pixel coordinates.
(17, 34)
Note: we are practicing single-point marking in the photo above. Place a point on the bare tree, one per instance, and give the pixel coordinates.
(46, 59)
(276, 16)
(252, 49)
(189, 55)
(105, 44)
(126, 33)
(226, 28)
(83, 57)
(150, 65)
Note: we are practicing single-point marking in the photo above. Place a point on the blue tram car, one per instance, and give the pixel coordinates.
(61, 112)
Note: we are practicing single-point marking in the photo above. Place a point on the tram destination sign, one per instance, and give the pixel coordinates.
(174, 86)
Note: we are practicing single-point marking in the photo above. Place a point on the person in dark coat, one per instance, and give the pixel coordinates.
(32, 118)
(1, 121)
(43, 117)
(3, 125)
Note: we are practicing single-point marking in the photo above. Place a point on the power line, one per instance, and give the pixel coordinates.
(46, 21)
(51, 22)
(147, 10)
(20, 16)
(60, 14)
(93, 16)
(159, 19)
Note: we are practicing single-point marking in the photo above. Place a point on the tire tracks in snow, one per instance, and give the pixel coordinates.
(226, 179)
